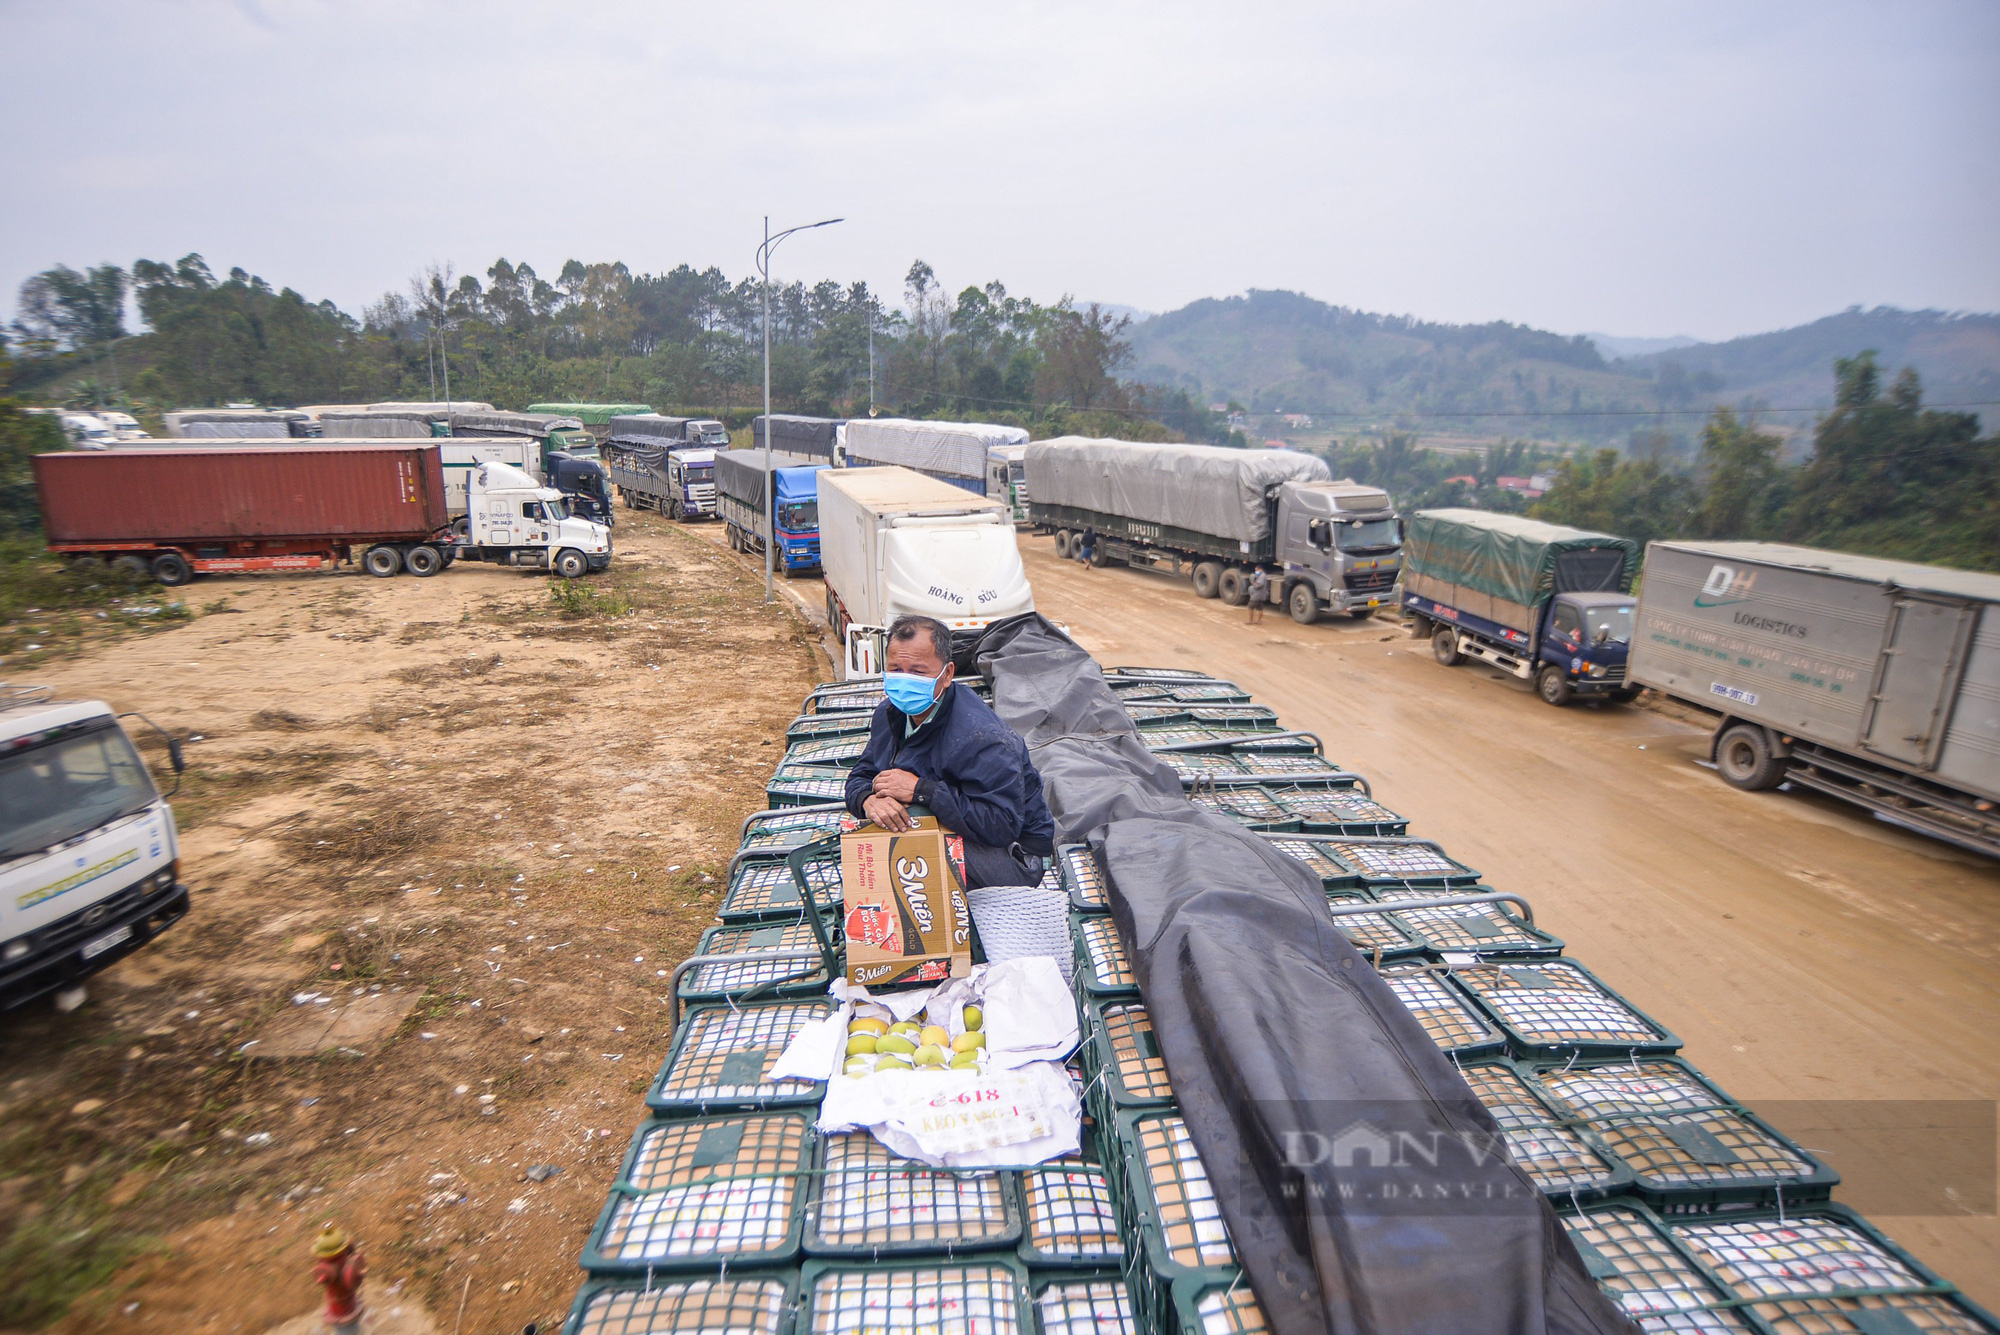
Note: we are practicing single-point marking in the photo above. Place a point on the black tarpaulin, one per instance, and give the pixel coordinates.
(1360, 1179)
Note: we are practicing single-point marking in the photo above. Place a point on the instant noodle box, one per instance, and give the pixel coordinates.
(902, 905)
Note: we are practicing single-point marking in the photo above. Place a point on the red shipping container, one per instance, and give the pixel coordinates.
(391, 492)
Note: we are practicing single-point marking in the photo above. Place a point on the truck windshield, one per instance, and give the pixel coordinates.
(705, 473)
(557, 511)
(67, 787)
(799, 516)
(1616, 618)
(713, 435)
(1368, 535)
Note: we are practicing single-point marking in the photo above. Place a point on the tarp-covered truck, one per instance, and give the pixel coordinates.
(894, 542)
(596, 417)
(674, 432)
(250, 423)
(1217, 515)
(960, 453)
(739, 497)
(813, 437)
(1877, 682)
(556, 434)
(1546, 603)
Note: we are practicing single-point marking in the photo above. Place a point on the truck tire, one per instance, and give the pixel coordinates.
(625, 497)
(87, 564)
(1234, 587)
(1743, 757)
(382, 561)
(131, 566)
(1063, 542)
(172, 569)
(461, 529)
(1444, 646)
(1625, 695)
(1303, 604)
(674, 510)
(423, 560)
(1207, 579)
(1360, 613)
(1552, 684)
(570, 564)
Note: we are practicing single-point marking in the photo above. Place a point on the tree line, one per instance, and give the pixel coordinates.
(594, 331)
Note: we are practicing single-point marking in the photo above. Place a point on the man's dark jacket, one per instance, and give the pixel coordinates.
(972, 770)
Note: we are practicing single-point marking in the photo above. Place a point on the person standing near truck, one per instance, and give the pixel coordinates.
(1086, 546)
(1258, 594)
(938, 744)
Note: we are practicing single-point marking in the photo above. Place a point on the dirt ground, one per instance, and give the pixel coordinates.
(445, 836)
(1837, 974)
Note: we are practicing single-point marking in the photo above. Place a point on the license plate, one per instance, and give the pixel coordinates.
(116, 936)
(1374, 602)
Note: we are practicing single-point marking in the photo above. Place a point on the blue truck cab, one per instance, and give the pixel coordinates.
(739, 499)
(1545, 603)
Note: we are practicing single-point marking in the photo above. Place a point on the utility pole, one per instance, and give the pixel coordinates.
(770, 490)
(871, 361)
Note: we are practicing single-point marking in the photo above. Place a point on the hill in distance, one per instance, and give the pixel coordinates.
(1274, 350)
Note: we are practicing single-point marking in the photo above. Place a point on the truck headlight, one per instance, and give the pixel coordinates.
(15, 950)
(1597, 669)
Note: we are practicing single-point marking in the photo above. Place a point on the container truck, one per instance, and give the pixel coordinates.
(812, 437)
(739, 497)
(1219, 515)
(517, 521)
(89, 857)
(894, 542)
(1877, 682)
(1546, 603)
(180, 513)
(960, 453)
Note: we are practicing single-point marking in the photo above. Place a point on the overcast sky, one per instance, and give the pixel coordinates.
(1707, 169)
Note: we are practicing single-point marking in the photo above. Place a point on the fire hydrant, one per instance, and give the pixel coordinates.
(339, 1268)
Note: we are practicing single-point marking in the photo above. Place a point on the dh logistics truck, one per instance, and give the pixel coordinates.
(739, 496)
(1545, 603)
(961, 453)
(894, 542)
(89, 857)
(1218, 515)
(1877, 682)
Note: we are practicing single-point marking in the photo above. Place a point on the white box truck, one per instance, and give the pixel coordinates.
(896, 543)
(1877, 682)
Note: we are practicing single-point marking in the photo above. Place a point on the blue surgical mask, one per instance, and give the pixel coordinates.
(909, 692)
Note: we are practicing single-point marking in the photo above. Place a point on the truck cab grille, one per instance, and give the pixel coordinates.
(1371, 581)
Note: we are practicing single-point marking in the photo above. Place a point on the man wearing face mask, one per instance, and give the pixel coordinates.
(939, 745)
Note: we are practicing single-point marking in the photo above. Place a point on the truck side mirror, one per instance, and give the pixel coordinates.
(1318, 534)
(174, 756)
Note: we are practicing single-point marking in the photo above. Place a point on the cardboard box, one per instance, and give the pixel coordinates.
(903, 906)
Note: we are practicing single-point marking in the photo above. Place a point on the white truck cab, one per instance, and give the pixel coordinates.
(514, 520)
(86, 431)
(123, 425)
(89, 857)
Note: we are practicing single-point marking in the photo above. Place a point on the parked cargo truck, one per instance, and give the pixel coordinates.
(961, 453)
(672, 432)
(811, 437)
(1217, 516)
(1548, 604)
(1877, 682)
(894, 542)
(557, 435)
(89, 857)
(739, 497)
(654, 466)
(180, 513)
(517, 521)
(597, 418)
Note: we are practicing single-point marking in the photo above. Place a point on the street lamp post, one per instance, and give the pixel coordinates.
(770, 491)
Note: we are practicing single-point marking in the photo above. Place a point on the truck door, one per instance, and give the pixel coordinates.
(1923, 653)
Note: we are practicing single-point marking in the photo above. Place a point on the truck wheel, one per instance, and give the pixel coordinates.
(1625, 695)
(172, 569)
(1444, 646)
(1360, 613)
(1552, 684)
(423, 560)
(570, 563)
(87, 564)
(1303, 604)
(461, 528)
(1234, 587)
(1743, 755)
(1207, 579)
(1063, 543)
(382, 561)
(625, 497)
(131, 566)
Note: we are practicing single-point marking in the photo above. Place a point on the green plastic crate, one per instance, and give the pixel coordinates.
(1563, 1160)
(845, 697)
(793, 785)
(976, 1295)
(1825, 1268)
(1242, 740)
(762, 889)
(1102, 969)
(1473, 929)
(1068, 1219)
(696, 1193)
(1083, 1304)
(1387, 866)
(1691, 1148)
(778, 832)
(1334, 873)
(840, 751)
(1250, 805)
(1553, 1009)
(723, 1055)
(1376, 935)
(1341, 811)
(868, 1202)
(741, 1302)
(1083, 878)
(1446, 1013)
(755, 978)
(1214, 1305)
(1181, 1236)
(1653, 1281)
(1124, 1058)
(841, 724)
